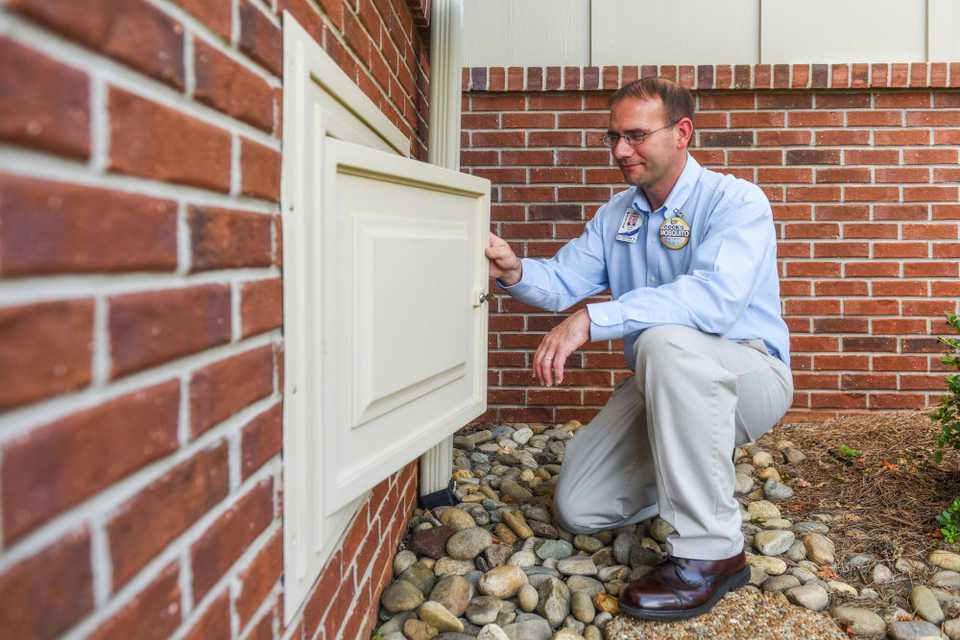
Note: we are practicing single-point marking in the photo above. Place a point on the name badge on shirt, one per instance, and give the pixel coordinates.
(630, 226)
(674, 231)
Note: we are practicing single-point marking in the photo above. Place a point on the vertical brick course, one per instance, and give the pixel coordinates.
(141, 314)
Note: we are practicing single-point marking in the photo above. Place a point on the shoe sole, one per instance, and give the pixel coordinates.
(731, 583)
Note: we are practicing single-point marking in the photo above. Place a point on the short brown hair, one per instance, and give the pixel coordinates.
(677, 99)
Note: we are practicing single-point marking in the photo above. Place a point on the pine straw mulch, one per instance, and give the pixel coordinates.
(884, 502)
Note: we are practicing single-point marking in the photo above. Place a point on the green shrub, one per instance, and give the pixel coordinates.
(947, 412)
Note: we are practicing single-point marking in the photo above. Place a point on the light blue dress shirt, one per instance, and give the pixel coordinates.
(723, 282)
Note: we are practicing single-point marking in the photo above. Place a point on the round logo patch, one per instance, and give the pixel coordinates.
(674, 232)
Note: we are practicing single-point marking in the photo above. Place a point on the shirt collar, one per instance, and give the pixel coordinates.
(681, 190)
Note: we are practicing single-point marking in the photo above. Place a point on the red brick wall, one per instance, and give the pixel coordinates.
(860, 163)
(141, 344)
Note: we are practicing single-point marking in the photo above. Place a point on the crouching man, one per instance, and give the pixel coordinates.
(689, 256)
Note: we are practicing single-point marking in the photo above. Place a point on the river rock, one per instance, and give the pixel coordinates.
(820, 548)
(811, 596)
(492, 632)
(438, 617)
(483, 609)
(457, 519)
(467, 544)
(945, 560)
(431, 542)
(502, 582)
(925, 603)
(401, 596)
(858, 620)
(581, 605)
(912, 630)
(518, 524)
(553, 601)
(577, 566)
(773, 542)
(556, 549)
(454, 593)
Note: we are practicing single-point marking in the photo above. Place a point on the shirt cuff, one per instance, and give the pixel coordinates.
(606, 320)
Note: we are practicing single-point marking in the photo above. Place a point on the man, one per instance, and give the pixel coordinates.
(689, 256)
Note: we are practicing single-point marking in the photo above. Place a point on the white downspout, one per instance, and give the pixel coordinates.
(446, 34)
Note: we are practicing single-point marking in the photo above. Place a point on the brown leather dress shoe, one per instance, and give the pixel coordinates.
(679, 588)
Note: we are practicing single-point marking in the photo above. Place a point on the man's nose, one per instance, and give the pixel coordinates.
(622, 149)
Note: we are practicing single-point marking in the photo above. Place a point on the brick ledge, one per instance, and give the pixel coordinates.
(894, 75)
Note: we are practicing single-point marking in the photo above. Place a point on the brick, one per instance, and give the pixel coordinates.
(59, 576)
(868, 381)
(130, 31)
(840, 325)
(261, 306)
(260, 171)
(871, 230)
(554, 139)
(339, 606)
(54, 227)
(813, 194)
(929, 231)
(153, 518)
(259, 578)
(929, 156)
(930, 194)
(755, 157)
(875, 118)
(497, 139)
(896, 401)
(872, 306)
(813, 156)
(156, 326)
(726, 138)
(49, 345)
(871, 194)
(840, 362)
(154, 612)
(900, 212)
(555, 102)
(900, 250)
(841, 176)
(871, 156)
(225, 387)
(227, 238)
(842, 137)
(783, 138)
(756, 119)
(497, 103)
(46, 104)
(62, 463)
(227, 538)
(229, 87)
(815, 119)
(789, 100)
(727, 101)
(214, 622)
(901, 175)
(152, 141)
(901, 137)
(261, 440)
(529, 120)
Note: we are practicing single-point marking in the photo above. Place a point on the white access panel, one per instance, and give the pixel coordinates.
(405, 343)
(384, 330)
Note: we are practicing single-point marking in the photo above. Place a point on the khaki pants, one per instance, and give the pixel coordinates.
(664, 441)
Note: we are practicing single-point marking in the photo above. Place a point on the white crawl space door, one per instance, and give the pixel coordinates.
(384, 325)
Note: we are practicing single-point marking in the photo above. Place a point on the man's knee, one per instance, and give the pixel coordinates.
(569, 513)
(658, 345)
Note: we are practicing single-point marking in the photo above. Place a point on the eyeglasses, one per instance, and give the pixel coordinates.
(633, 138)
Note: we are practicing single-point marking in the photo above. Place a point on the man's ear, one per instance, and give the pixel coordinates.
(685, 128)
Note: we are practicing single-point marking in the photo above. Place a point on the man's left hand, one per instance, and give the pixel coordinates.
(557, 346)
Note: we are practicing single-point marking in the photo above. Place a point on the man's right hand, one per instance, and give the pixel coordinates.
(504, 263)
